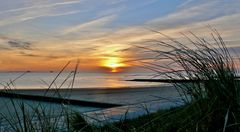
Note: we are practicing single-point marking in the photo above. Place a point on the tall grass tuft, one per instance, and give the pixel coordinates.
(213, 96)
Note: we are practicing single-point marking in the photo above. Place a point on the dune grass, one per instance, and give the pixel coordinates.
(212, 104)
(218, 97)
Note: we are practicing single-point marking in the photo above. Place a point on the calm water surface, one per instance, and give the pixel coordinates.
(37, 80)
(88, 86)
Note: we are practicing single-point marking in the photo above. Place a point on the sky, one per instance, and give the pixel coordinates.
(43, 35)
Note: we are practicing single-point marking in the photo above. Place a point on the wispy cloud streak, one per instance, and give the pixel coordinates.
(40, 6)
(49, 15)
(93, 24)
(20, 44)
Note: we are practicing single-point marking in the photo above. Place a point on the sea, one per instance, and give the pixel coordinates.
(94, 87)
(44, 80)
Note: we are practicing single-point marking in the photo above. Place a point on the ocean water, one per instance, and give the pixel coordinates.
(96, 87)
(42, 80)
(7, 106)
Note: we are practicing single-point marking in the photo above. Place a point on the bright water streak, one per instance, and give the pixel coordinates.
(41, 80)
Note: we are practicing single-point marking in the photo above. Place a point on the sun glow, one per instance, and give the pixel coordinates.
(113, 63)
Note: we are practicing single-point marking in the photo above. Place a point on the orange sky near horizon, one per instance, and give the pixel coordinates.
(12, 62)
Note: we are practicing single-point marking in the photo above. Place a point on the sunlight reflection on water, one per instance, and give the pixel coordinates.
(83, 80)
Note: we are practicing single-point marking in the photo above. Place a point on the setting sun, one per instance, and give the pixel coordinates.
(113, 63)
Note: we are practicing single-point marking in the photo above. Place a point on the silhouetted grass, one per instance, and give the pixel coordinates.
(212, 104)
(214, 101)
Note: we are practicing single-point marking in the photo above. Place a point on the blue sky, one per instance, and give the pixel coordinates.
(55, 31)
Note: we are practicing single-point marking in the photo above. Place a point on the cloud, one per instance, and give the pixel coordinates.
(2, 37)
(195, 13)
(47, 15)
(41, 6)
(34, 15)
(4, 48)
(40, 55)
(185, 3)
(193, 16)
(125, 37)
(20, 44)
(90, 25)
(36, 11)
(13, 43)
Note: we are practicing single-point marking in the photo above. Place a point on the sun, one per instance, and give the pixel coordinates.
(113, 63)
